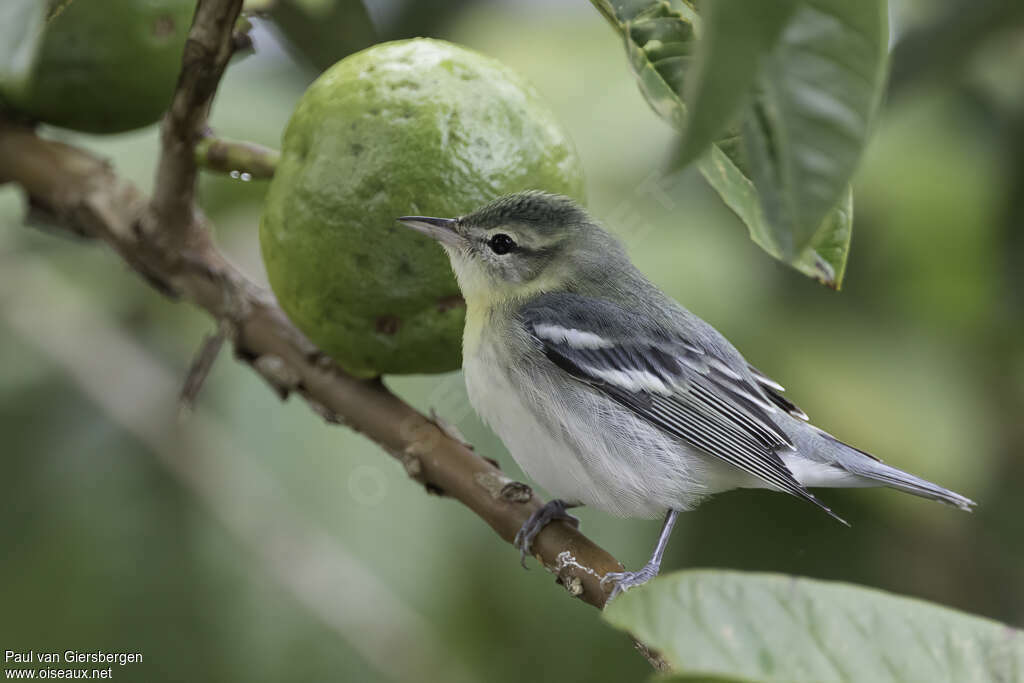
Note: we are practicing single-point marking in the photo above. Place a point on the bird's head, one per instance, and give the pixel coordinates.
(518, 245)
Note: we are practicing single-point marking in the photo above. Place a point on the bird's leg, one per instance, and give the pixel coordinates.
(626, 580)
(549, 512)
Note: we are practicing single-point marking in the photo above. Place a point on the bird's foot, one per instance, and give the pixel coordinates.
(551, 511)
(623, 581)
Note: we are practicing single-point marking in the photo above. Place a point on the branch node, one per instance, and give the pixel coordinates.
(574, 586)
(501, 487)
(412, 464)
(241, 38)
(280, 376)
(516, 492)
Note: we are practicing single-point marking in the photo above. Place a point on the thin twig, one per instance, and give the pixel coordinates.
(243, 160)
(172, 217)
(200, 367)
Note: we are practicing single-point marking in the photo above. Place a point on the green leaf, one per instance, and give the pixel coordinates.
(824, 259)
(321, 32)
(21, 28)
(661, 39)
(737, 35)
(714, 625)
(817, 94)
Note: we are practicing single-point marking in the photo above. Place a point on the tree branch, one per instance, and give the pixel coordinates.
(166, 240)
(209, 47)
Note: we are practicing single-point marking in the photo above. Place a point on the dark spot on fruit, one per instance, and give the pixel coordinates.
(356, 149)
(447, 303)
(373, 111)
(387, 324)
(163, 26)
(404, 268)
(361, 260)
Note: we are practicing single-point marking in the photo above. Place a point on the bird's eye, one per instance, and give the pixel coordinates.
(501, 244)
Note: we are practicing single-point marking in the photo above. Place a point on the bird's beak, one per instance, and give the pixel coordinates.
(441, 229)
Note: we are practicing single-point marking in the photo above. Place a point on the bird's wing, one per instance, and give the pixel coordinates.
(774, 390)
(672, 382)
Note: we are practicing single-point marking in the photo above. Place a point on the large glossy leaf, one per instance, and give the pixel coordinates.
(660, 39)
(817, 93)
(723, 625)
(21, 27)
(736, 38)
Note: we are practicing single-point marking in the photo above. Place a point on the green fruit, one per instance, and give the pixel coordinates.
(105, 66)
(413, 127)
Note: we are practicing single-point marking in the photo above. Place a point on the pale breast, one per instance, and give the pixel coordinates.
(543, 455)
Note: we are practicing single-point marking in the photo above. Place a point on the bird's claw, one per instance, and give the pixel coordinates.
(623, 581)
(549, 512)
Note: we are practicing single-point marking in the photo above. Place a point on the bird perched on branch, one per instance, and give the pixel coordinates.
(608, 393)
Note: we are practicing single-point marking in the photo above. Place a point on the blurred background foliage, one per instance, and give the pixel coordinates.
(112, 538)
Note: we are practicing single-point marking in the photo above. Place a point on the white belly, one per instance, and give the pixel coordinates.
(545, 457)
(583, 447)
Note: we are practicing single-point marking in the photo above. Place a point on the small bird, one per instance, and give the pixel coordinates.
(609, 393)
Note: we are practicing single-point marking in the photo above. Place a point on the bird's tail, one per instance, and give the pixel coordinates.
(861, 464)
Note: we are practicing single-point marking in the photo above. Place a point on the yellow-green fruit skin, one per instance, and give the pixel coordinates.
(413, 127)
(105, 66)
